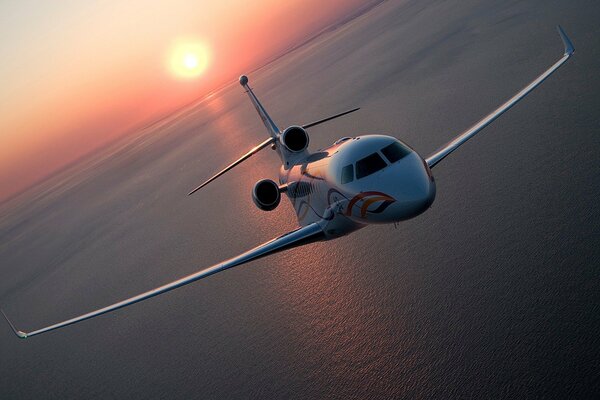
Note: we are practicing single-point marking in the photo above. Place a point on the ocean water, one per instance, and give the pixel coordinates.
(492, 293)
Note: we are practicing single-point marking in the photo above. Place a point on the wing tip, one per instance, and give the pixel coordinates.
(20, 334)
(569, 48)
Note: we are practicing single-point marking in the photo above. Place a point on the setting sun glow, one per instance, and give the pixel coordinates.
(189, 60)
(127, 63)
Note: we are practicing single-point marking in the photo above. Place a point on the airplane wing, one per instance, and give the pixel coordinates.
(308, 234)
(441, 153)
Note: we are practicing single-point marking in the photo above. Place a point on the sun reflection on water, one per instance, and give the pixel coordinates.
(337, 319)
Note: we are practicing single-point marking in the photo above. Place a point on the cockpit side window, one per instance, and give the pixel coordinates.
(369, 165)
(395, 152)
(348, 173)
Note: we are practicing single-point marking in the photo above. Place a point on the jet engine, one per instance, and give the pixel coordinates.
(295, 139)
(266, 195)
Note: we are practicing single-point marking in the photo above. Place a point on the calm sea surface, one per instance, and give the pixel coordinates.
(493, 293)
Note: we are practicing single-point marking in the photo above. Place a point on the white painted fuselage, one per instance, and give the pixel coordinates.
(330, 186)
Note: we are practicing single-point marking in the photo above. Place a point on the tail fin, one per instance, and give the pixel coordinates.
(266, 119)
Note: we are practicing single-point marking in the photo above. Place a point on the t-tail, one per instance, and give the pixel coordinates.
(291, 143)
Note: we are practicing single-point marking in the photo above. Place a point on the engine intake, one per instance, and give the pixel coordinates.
(266, 195)
(295, 139)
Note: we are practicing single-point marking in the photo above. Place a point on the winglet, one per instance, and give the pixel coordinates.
(20, 334)
(569, 48)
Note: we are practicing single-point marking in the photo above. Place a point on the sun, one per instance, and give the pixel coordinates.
(189, 60)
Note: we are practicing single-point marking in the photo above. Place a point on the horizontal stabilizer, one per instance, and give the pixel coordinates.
(243, 158)
(329, 118)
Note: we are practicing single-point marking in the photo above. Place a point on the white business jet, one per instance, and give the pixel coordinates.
(373, 179)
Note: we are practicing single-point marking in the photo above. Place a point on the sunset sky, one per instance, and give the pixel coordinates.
(78, 74)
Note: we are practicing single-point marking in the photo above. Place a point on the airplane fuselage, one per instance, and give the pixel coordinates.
(358, 181)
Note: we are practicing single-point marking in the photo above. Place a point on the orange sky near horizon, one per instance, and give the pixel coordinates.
(77, 75)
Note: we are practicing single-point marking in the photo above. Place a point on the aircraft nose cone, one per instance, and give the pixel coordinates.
(414, 190)
(417, 200)
(402, 191)
(425, 196)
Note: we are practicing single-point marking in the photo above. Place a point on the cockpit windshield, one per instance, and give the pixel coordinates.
(369, 165)
(395, 152)
(348, 173)
(375, 162)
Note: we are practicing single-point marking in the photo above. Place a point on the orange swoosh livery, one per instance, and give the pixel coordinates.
(368, 199)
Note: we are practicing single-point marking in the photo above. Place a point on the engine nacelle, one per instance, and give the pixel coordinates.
(266, 195)
(295, 138)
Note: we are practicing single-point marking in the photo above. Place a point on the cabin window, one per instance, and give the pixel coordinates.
(348, 173)
(369, 165)
(395, 152)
